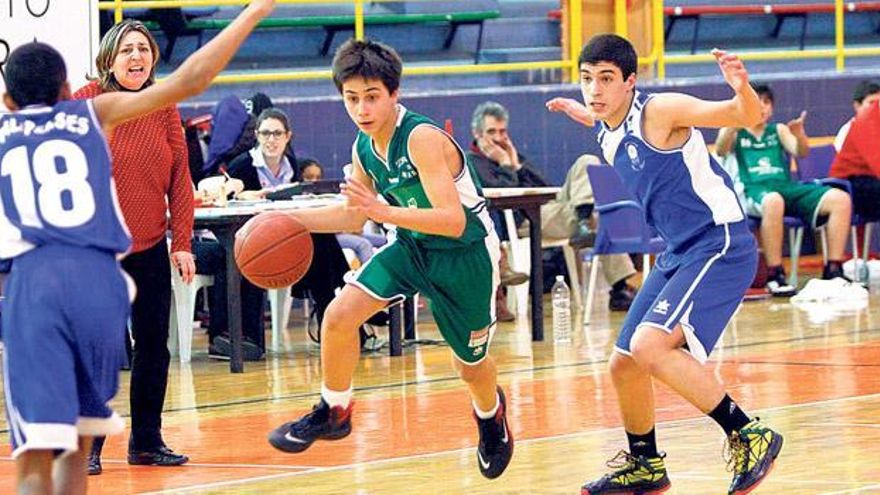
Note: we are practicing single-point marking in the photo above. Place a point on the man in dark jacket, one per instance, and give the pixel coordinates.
(499, 164)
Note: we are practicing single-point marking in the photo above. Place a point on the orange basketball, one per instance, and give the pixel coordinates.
(273, 250)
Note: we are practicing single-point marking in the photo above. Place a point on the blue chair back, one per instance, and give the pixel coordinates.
(817, 164)
(622, 226)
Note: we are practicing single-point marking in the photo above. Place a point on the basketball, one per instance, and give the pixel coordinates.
(273, 250)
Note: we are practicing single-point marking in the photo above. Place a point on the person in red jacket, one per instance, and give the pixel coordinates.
(865, 93)
(150, 163)
(859, 161)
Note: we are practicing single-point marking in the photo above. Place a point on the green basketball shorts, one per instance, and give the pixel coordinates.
(801, 200)
(460, 284)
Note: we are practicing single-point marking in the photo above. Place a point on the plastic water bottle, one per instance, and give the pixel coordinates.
(864, 272)
(561, 310)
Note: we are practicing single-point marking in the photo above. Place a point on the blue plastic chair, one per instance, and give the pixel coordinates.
(815, 167)
(622, 226)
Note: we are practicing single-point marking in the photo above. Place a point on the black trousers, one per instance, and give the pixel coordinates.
(151, 272)
(211, 260)
(866, 195)
(325, 274)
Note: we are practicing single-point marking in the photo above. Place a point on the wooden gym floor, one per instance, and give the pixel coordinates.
(813, 375)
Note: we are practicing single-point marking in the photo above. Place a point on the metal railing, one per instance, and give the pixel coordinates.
(568, 62)
(838, 53)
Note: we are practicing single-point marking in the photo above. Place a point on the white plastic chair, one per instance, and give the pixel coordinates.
(520, 257)
(279, 306)
(183, 305)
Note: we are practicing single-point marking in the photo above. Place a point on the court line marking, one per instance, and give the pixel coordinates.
(284, 467)
(517, 371)
(774, 479)
(548, 368)
(842, 425)
(854, 490)
(391, 460)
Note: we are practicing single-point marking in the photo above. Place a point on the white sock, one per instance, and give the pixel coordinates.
(490, 413)
(334, 398)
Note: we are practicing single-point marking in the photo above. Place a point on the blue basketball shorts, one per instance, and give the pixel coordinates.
(63, 328)
(699, 289)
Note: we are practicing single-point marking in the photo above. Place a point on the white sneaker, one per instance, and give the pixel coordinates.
(781, 288)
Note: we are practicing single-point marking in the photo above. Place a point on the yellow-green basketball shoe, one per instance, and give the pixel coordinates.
(751, 452)
(632, 476)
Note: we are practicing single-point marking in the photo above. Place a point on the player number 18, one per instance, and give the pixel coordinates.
(51, 183)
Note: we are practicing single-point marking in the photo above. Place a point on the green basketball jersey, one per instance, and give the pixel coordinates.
(761, 160)
(398, 181)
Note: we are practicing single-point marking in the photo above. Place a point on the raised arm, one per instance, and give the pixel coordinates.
(573, 109)
(433, 155)
(190, 79)
(676, 110)
(793, 136)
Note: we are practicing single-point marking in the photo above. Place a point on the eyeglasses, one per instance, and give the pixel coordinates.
(275, 134)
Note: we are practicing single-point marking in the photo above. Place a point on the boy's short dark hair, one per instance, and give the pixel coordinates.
(369, 60)
(303, 163)
(610, 48)
(763, 89)
(865, 89)
(35, 73)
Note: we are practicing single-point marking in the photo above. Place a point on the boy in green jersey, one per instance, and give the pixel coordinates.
(762, 155)
(446, 249)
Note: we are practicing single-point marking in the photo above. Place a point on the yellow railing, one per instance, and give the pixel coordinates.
(838, 53)
(657, 57)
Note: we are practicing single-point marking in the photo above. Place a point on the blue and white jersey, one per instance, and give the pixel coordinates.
(56, 186)
(683, 191)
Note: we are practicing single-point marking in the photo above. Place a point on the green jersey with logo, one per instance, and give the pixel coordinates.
(761, 159)
(397, 179)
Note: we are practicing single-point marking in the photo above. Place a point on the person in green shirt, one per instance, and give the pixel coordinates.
(762, 154)
(445, 249)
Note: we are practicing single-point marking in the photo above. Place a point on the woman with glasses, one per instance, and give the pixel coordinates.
(270, 163)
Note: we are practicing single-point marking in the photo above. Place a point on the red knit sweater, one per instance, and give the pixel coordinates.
(860, 153)
(149, 163)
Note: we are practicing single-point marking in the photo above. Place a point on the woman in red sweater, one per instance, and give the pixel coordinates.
(149, 165)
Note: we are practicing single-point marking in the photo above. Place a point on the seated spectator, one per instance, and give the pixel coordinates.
(232, 132)
(269, 164)
(866, 92)
(499, 164)
(211, 260)
(769, 188)
(361, 243)
(859, 160)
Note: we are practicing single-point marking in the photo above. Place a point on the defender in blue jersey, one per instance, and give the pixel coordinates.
(66, 296)
(685, 303)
